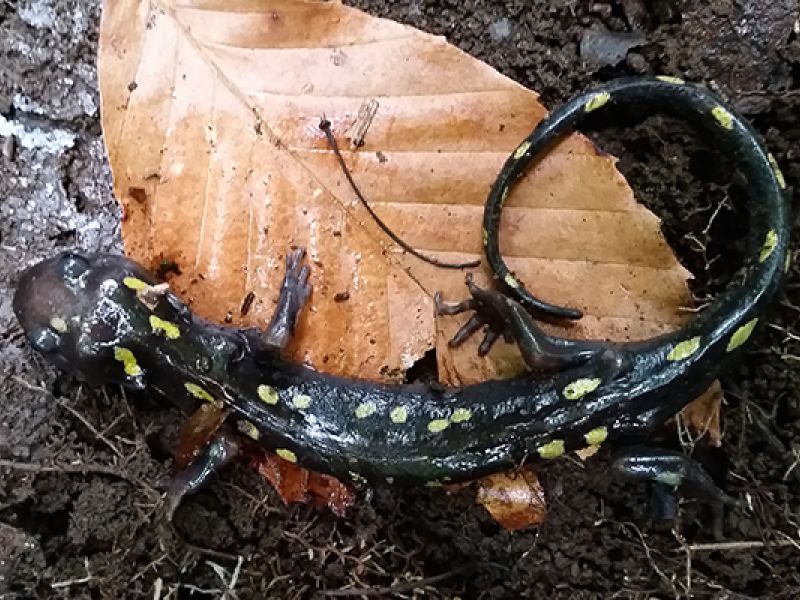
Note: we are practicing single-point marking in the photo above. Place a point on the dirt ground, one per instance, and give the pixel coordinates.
(90, 527)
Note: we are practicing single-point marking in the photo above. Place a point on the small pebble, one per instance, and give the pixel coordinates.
(500, 30)
(601, 10)
(636, 62)
(9, 147)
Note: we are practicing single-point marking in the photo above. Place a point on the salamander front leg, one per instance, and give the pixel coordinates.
(670, 471)
(503, 316)
(295, 291)
(217, 453)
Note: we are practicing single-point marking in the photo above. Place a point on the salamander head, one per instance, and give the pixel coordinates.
(77, 312)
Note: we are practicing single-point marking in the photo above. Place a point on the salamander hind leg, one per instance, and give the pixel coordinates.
(669, 472)
(502, 316)
(295, 291)
(217, 453)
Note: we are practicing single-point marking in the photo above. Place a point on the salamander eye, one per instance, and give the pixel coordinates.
(45, 340)
(72, 266)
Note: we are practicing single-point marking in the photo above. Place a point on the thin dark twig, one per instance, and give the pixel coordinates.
(325, 126)
(409, 586)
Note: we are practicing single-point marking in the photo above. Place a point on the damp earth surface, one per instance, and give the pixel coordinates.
(93, 529)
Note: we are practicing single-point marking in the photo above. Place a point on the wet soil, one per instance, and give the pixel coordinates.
(90, 528)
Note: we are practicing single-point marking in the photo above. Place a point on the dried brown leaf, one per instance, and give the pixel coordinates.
(210, 112)
(514, 499)
(703, 414)
(198, 429)
(295, 484)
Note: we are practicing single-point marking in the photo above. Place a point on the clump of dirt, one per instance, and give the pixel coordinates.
(90, 526)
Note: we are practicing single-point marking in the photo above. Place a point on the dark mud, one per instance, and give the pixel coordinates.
(92, 530)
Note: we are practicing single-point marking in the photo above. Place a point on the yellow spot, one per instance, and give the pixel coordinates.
(777, 170)
(669, 478)
(59, 324)
(552, 450)
(128, 360)
(365, 409)
(159, 325)
(522, 149)
(399, 415)
(723, 117)
(485, 236)
(685, 349)
(286, 454)
(268, 394)
(460, 415)
(135, 283)
(198, 392)
(787, 263)
(433, 484)
(511, 281)
(596, 101)
(580, 387)
(301, 401)
(596, 436)
(670, 79)
(438, 425)
(741, 335)
(250, 430)
(769, 245)
(356, 478)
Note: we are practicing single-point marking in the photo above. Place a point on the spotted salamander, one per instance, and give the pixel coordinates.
(107, 320)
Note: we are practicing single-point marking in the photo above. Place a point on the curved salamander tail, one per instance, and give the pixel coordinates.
(769, 211)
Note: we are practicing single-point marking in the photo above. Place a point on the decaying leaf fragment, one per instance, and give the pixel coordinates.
(514, 499)
(210, 115)
(198, 430)
(703, 414)
(294, 484)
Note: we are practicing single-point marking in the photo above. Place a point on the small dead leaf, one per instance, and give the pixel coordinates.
(294, 484)
(514, 499)
(197, 431)
(703, 414)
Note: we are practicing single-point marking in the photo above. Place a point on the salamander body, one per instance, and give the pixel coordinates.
(106, 319)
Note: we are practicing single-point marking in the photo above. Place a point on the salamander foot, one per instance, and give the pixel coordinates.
(488, 306)
(504, 317)
(217, 453)
(670, 471)
(295, 291)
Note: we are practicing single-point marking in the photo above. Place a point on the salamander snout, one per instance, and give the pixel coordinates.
(41, 303)
(69, 307)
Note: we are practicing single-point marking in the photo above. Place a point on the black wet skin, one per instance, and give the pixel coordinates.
(78, 312)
